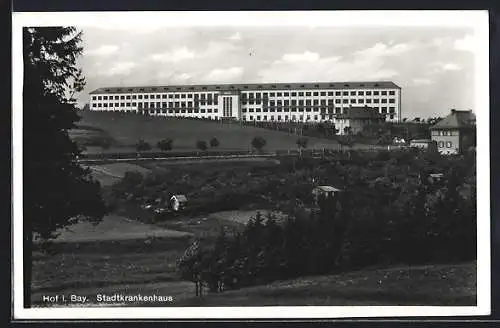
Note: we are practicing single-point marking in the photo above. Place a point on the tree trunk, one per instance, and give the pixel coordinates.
(27, 264)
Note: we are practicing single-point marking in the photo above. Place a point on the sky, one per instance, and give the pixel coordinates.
(433, 65)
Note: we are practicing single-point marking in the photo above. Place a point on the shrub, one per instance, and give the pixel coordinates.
(142, 145)
(201, 145)
(165, 144)
(258, 143)
(214, 142)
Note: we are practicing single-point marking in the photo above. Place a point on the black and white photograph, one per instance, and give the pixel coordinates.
(251, 164)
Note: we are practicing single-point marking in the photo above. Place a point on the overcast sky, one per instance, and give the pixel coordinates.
(434, 66)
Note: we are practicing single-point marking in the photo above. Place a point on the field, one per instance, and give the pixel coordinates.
(123, 130)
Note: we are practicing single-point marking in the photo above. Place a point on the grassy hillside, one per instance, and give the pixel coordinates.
(124, 129)
(430, 285)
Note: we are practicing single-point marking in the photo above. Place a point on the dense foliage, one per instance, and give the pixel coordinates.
(391, 211)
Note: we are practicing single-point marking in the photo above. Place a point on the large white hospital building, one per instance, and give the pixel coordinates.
(304, 102)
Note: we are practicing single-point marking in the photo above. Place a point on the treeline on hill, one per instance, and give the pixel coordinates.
(382, 134)
(387, 215)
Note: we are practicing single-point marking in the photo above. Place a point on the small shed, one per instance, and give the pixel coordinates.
(325, 191)
(178, 202)
(434, 177)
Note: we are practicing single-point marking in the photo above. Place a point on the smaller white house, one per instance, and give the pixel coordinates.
(178, 202)
(354, 119)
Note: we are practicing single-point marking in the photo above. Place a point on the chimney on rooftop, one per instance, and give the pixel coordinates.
(453, 110)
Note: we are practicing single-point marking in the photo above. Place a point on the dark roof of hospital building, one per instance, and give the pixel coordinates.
(245, 87)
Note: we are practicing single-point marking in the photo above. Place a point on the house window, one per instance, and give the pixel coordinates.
(392, 101)
(392, 93)
(384, 93)
(345, 93)
(448, 144)
(368, 93)
(361, 93)
(375, 93)
(315, 94)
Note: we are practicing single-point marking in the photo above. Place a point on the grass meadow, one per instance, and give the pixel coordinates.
(123, 130)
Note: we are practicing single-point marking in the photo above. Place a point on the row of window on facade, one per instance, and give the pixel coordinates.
(179, 111)
(443, 133)
(176, 104)
(338, 110)
(248, 94)
(323, 102)
(318, 94)
(443, 144)
(294, 118)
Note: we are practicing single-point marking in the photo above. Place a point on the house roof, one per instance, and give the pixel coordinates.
(360, 112)
(180, 198)
(244, 87)
(456, 119)
(327, 188)
(421, 141)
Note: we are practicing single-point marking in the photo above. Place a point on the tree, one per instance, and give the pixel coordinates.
(302, 143)
(60, 191)
(201, 145)
(346, 141)
(190, 265)
(258, 143)
(214, 142)
(165, 144)
(142, 145)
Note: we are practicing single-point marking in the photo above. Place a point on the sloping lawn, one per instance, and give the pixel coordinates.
(126, 129)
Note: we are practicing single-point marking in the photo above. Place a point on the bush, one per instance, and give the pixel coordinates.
(142, 145)
(214, 142)
(201, 145)
(165, 144)
(258, 143)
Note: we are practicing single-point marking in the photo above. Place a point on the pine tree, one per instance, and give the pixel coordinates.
(58, 190)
